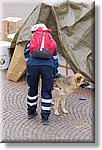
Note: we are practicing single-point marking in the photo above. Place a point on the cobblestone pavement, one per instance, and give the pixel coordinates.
(76, 126)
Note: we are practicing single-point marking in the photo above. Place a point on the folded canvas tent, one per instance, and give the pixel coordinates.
(72, 26)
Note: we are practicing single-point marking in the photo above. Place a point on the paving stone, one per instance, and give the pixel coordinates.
(76, 126)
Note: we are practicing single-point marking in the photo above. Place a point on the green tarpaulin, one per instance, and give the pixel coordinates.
(72, 26)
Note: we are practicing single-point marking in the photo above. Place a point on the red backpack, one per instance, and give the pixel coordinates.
(42, 45)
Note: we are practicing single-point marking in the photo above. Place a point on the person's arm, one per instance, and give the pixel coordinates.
(27, 50)
(55, 58)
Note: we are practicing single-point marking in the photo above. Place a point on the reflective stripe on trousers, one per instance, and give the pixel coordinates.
(46, 104)
(32, 100)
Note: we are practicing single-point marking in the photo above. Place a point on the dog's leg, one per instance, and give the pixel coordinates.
(56, 103)
(63, 106)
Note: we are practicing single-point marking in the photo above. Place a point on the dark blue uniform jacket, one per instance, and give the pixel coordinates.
(53, 62)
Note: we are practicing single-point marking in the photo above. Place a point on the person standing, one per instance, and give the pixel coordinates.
(40, 63)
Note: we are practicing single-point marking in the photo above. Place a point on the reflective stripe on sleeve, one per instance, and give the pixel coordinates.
(55, 57)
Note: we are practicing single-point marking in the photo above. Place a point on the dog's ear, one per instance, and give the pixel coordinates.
(77, 79)
(79, 71)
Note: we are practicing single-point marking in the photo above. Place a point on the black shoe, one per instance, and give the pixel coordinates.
(45, 122)
(32, 115)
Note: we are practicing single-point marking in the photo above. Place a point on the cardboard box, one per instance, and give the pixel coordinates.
(11, 25)
(4, 54)
(17, 66)
(4, 26)
(3, 36)
(10, 37)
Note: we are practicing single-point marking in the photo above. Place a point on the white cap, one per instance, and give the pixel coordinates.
(36, 26)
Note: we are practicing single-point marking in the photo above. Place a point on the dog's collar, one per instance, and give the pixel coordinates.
(57, 88)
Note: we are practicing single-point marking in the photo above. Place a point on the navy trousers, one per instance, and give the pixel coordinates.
(33, 74)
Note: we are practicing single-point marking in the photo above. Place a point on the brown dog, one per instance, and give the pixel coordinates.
(67, 85)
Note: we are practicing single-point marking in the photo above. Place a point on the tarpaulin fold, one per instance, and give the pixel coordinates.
(73, 27)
